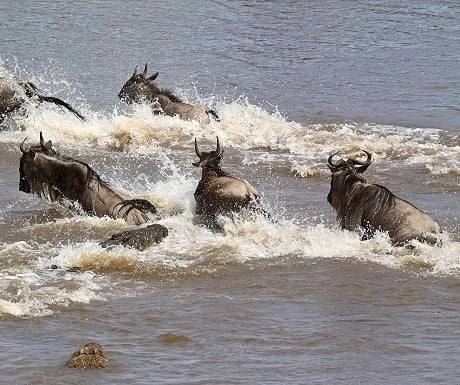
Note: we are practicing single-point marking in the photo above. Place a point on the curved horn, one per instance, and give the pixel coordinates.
(42, 141)
(218, 146)
(366, 162)
(331, 163)
(145, 69)
(197, 150)
(21, 146)
(45, 146)
(135, 71)
(60, 102)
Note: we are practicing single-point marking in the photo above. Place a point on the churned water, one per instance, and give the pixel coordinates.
(293, 300)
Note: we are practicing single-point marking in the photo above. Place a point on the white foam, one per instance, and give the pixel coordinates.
(29, 288)
(246, 126)
(85, 271)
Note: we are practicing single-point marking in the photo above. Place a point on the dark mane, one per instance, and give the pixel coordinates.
(65, 158)
(374, 200)
(221, 172)
(170, 95)
(351, 179)
(91, 175)
(377, 203)
(215, 168)
(218, 173)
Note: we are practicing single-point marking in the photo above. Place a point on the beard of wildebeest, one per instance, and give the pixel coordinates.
(371, 207)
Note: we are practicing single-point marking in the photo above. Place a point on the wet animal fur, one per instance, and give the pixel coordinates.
(371, 207)
(140, 88)
(45, 172)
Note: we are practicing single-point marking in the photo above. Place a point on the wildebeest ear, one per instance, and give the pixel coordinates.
(153, 77)
(47, 145)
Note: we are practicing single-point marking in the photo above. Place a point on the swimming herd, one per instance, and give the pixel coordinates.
(360, 206)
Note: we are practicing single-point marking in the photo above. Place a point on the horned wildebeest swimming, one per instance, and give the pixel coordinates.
(218, 192)
(10, 101)
(140, 89)
(371, 207)
(48, 174)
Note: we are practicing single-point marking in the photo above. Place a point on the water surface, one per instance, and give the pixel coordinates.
(289, 301)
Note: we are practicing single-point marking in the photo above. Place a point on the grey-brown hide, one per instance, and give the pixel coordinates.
(44, 172)
(371, 207)
(11, 100)
(217, 192)
(141, 89)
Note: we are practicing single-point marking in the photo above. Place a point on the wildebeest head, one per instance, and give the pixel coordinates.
(344, 171)
(32, 179)
(139, 87)
(209, 161)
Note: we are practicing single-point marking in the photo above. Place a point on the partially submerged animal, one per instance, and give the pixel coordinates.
(218, 192)
(11, 101)
(139, 239)
(371, 207)
(141, 89)
(45, 172)
(90, 356)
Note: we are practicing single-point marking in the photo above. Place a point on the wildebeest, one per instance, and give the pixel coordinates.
(218, 192)
(11, 101)
(371, 207)
(48, 174)
(140, 89)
